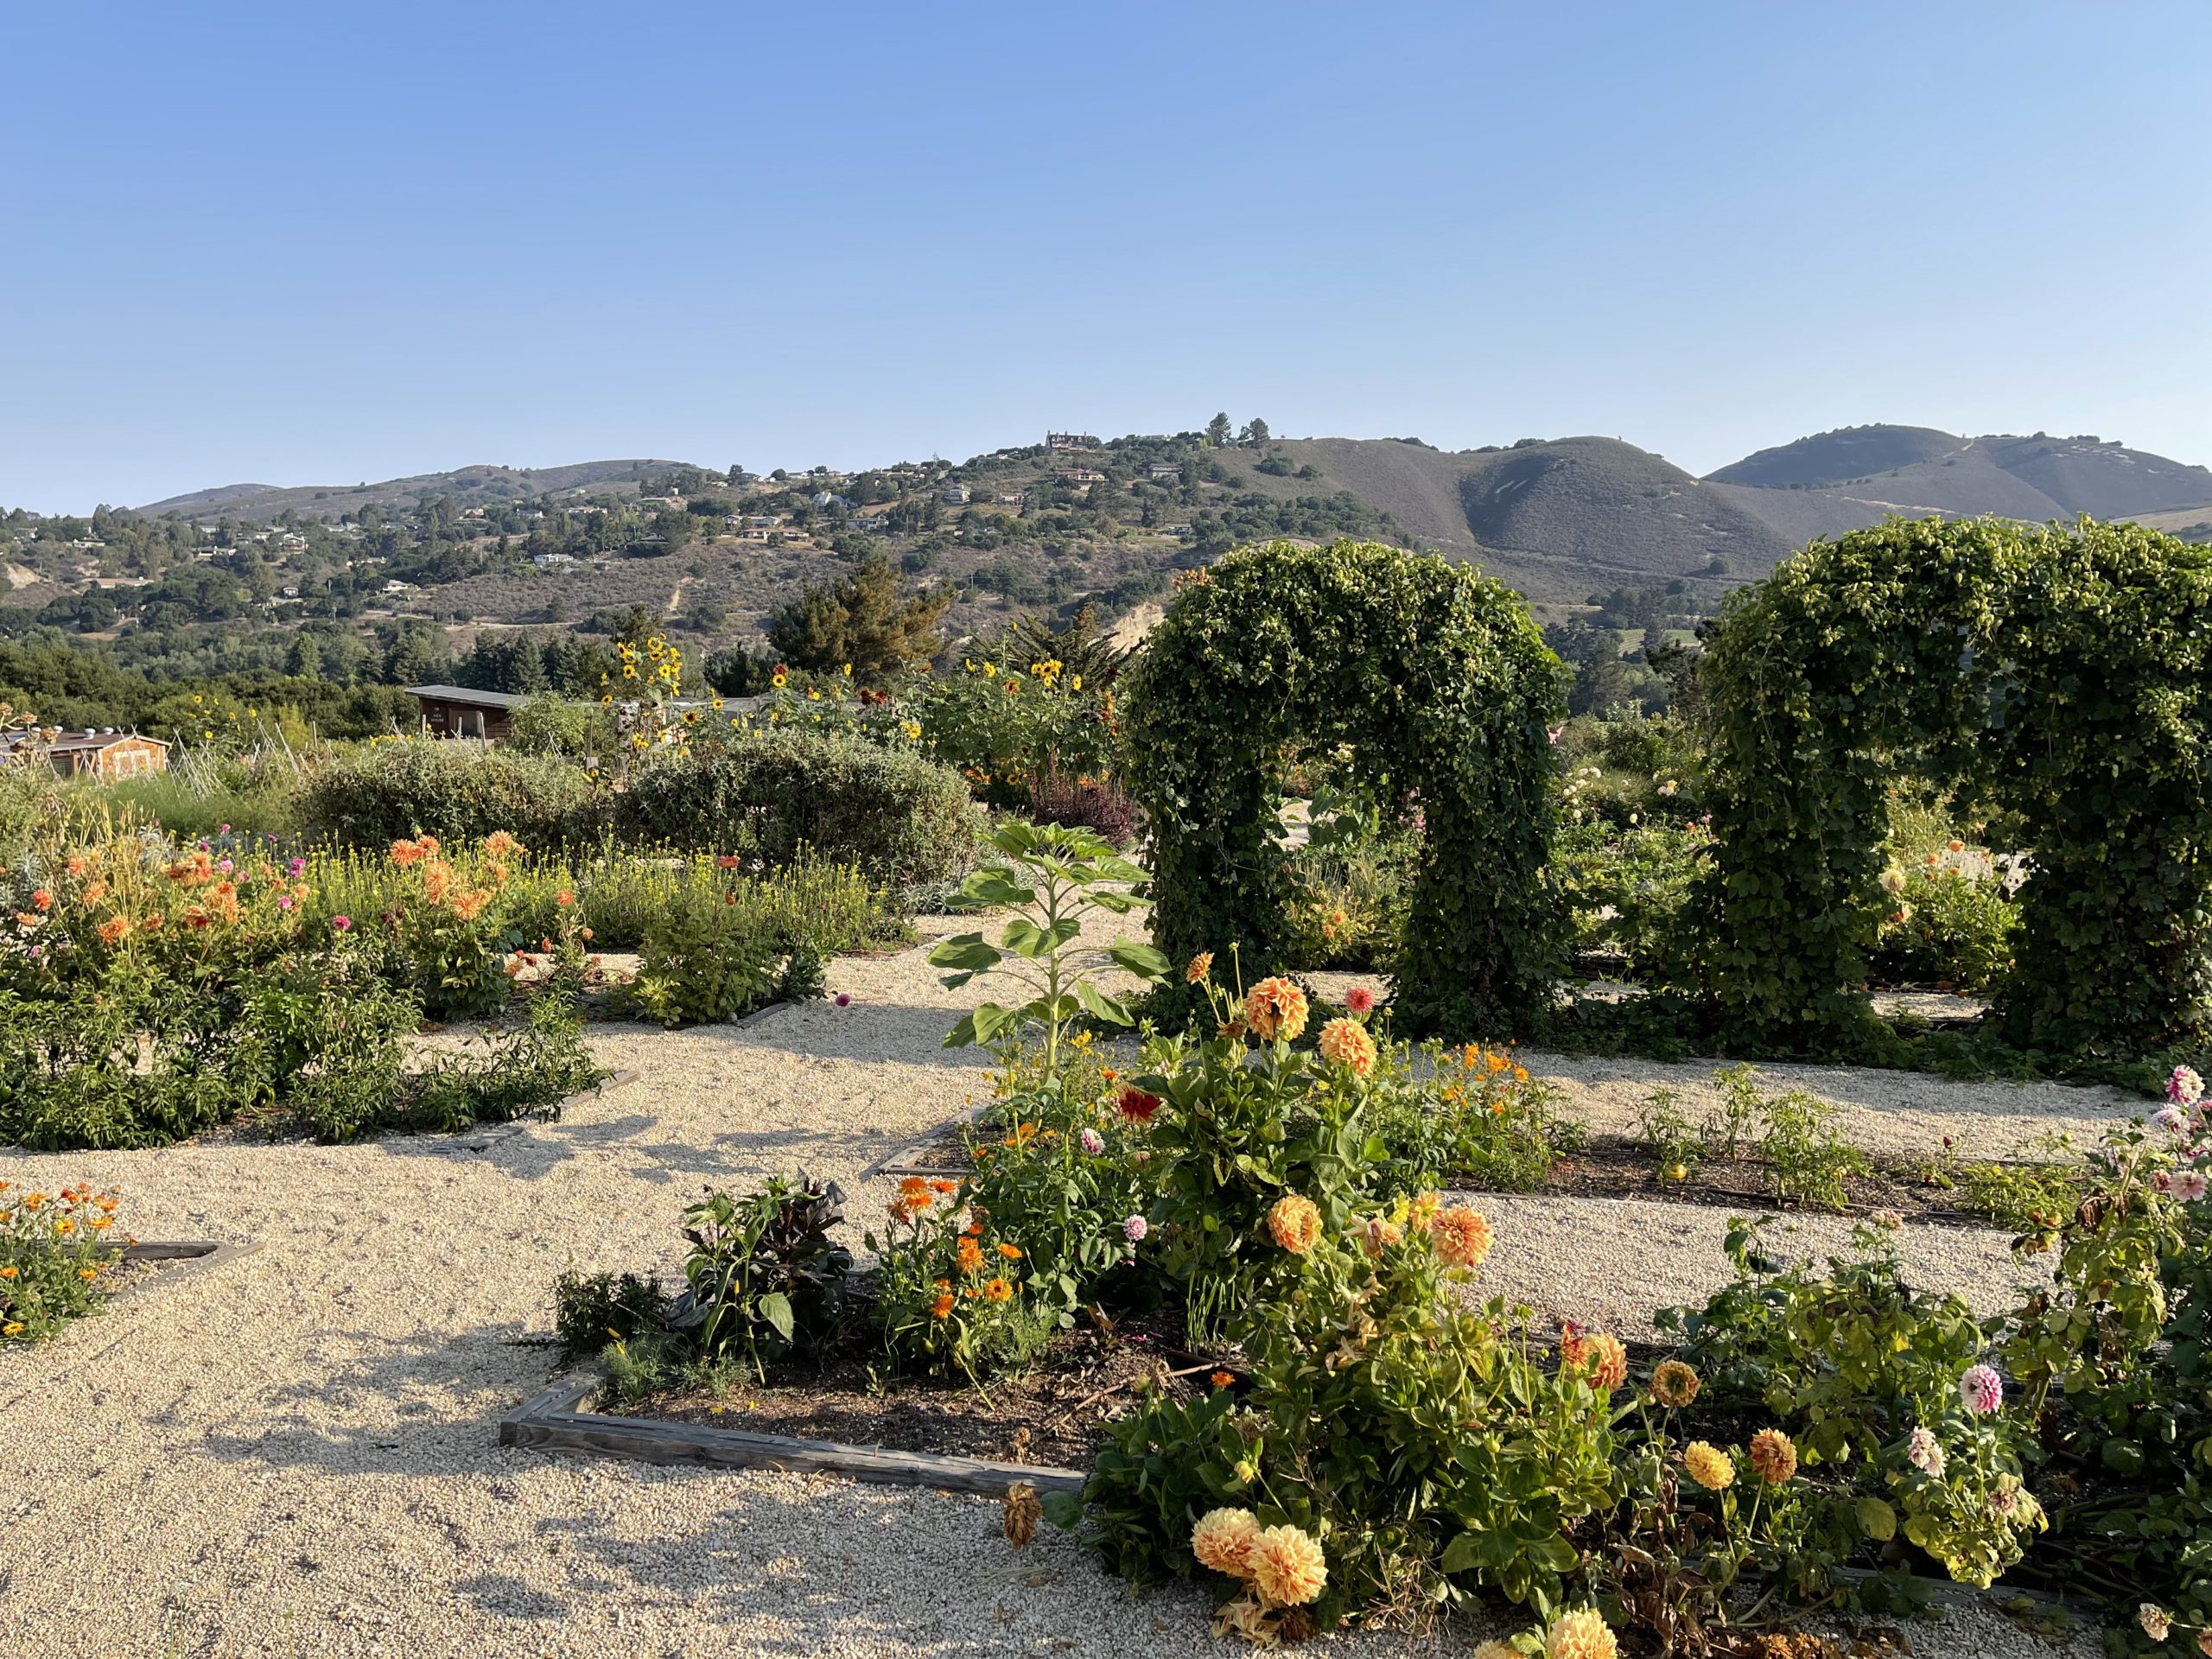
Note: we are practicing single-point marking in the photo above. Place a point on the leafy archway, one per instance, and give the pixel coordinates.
(1433, 675)
(2057, 675)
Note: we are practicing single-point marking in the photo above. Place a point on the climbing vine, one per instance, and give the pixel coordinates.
(2056, 676)
(1437, 680)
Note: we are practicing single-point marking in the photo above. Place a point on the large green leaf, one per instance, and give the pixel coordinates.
(1099, 1005)
(1142, 960)
(776, 1308)
(969, 952)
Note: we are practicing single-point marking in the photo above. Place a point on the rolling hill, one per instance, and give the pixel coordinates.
(468, 486)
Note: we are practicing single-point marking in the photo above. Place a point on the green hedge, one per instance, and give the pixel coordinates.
(455, 792)
(905, 822)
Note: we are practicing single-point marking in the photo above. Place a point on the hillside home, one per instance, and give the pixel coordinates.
(457, 711)
(105, 754)
(956, 494)
(1065, 440)
(1080, 475)
(1014, 498)
(825, 499)
(1165, 472)
(553, 561)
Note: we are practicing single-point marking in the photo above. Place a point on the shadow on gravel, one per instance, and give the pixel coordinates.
(409, 1408)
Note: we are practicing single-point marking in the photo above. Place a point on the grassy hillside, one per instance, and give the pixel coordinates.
(1838, 457)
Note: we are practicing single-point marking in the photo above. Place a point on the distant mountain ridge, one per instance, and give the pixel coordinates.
(1557, 518)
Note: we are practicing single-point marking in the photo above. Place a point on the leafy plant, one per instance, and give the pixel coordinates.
(951, 1297)
(1063, 875)
(764, 1278)
(54, 1250)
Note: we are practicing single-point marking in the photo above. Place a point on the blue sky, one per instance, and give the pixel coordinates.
(322, 244)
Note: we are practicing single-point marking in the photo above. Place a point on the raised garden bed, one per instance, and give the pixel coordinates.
(845, 1415)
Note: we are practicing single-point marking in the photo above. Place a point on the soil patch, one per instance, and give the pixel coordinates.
(1054, 1414)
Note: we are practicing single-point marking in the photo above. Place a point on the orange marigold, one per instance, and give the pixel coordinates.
(942, 1307)
(1275, 1007)
(1347, 1044)
(915, 1193)
(1296, 1222)
(998, 1290)
(971, 1255)
(112, 929)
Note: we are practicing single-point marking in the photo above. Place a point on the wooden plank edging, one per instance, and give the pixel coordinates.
(551, 1421)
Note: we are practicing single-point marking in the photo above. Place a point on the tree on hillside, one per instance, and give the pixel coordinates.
(866, 619)
(1217, 429)
(1254, 432)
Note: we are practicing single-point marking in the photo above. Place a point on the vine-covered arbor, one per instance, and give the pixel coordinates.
(2057, 676)
(1434, 675)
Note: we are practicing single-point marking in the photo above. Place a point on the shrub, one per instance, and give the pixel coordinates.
(1019, 726)
(902, 821)
(591, 1310)
(1946, 927)
(454, 792)
(703, 963)
(54, 1250)
(1628, 889)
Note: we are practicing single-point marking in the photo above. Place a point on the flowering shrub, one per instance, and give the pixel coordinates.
(54, 1250)
(1944, 927)
(1013, 725)
(452, 926)
(1410, 1437)
(951, 1293)
(1435, 676)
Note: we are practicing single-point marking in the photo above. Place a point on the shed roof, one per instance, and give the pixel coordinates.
(464, 694)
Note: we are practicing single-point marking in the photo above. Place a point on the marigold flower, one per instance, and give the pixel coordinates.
(1289, 1568)
(1295, 1223)
(971, 1256)
(8, 1272)
(1135, 1105)
(1201, 966)
(998, 1290)
(1342, 1042)
(1275, 1008)
(1462, 1236)
(915, 1193)
(1221, 1379)
(944, 1187)
(112, 929)
(1673, 1385)
(1773, 1456)
(1223, 1540)
(1012, 1252)
(942, 1307)
(1708, 1466)
(1582, 1634)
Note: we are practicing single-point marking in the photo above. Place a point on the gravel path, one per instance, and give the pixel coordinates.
(295, 1454)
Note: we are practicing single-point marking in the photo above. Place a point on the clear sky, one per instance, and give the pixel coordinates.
(328, 243)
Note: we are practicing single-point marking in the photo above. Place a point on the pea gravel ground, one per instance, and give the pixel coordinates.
(296, 1453)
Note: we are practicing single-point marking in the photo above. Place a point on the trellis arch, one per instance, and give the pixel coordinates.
(1433, 673)
(2057, 675)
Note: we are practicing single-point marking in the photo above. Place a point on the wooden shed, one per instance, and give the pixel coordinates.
(456, 711)
(107, 753)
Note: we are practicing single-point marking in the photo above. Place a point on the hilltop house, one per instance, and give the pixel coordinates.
(956, 494)
(1065, 440)
(1165, 472)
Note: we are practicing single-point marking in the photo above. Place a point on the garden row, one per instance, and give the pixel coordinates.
(1334, 1424)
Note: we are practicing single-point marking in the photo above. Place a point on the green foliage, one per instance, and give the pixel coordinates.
(1946, 927)
(1054, 877)
(905, 822)
(2060, 673)
(591, 1310)
(1029, 707)
(1629, 889)
(703, 963)
(764, 1279)
(393, 791)
(864, 622)
(1434, 675)
(950, 1295)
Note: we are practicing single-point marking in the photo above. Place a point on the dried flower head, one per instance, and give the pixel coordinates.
(2153, 1618)
(1023, 1510)
(1673, 1383)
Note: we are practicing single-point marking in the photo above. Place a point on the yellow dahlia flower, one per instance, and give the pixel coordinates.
(1295, 1223)
(1582, 1634)
(1222, 1539)
(1709, 1466)
(1275, 1007)
(1288, 1567)
(1342, 1042)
